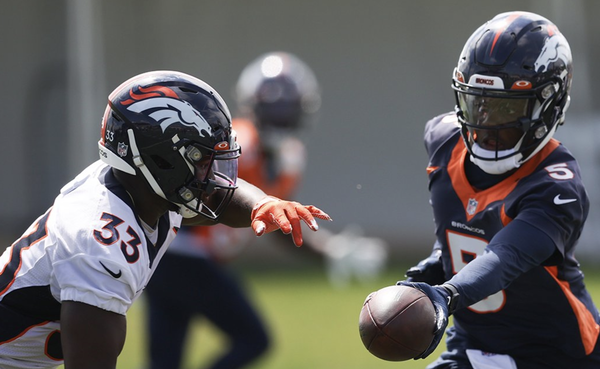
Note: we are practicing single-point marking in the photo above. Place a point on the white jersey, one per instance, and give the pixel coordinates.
(88, 247)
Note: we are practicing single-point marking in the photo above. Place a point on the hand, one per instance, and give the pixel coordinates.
(429, 270)
(272, 213)
(442, 299)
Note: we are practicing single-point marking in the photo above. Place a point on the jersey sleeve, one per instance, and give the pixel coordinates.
(438, 131)
(96, 281)
(557, 204)
(100, 255)
(513, 251)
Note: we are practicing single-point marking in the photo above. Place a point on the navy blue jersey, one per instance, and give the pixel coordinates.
(545, 310)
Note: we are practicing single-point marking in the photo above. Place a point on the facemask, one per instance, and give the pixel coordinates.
(186, 212)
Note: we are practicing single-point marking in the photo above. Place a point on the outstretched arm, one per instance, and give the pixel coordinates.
(250, 206)
(239, 210)
(515, 250)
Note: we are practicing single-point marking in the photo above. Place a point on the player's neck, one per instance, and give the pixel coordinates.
(148, 206)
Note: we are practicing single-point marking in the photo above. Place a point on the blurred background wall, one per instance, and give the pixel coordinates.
(384, 68)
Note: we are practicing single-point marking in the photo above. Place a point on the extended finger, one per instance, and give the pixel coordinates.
(307, 217)
(308, 214)
(318, 213)
(294, 218)
(282, 222)
(259, 227)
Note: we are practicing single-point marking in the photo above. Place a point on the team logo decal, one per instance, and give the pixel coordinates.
(168, 111)
(552, 52)
(223, 145)
(122, 149)
(472, 206)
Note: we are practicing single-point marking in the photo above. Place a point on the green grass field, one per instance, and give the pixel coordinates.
(313, 325)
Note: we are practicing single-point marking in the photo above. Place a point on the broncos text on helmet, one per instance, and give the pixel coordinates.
(512, 86)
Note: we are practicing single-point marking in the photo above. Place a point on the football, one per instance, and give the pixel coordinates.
(396, 323)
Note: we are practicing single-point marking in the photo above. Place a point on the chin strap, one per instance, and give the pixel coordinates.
(137, 160)
(113, 160)
(495, 166)
(186, 212)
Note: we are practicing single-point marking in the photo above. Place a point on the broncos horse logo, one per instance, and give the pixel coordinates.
(167, 110)
(553, 51)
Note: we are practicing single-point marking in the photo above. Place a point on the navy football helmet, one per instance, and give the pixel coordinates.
(512, 88)
(173, 130)
(279, 92)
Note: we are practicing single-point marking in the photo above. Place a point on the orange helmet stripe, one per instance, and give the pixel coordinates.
(499, 32)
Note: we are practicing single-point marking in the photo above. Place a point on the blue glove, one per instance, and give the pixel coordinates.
(444, 299)
(430, 270)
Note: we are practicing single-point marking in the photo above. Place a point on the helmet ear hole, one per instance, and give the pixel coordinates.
(161, 163)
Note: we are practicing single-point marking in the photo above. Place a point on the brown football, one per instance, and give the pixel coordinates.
(396, 323)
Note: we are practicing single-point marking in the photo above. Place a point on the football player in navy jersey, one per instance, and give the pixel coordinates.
(509, 206)
(168, 158)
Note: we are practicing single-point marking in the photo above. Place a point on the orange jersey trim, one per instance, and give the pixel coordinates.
(431, 170)
(588, 327)
(503, 217)
(10, 261)
(25, 331)
(465, 191)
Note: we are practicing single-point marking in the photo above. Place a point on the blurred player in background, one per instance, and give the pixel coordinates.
(509, 206)
(168, 157)
(278, 97)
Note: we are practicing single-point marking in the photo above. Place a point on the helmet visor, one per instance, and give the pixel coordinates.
(217, 171)
(224, 169)
(215, 181)
(488, 111)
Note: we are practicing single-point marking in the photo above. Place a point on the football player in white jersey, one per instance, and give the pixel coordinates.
(168, 157)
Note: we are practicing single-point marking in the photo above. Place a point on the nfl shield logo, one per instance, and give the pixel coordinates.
(472, 206)
(122, 149)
